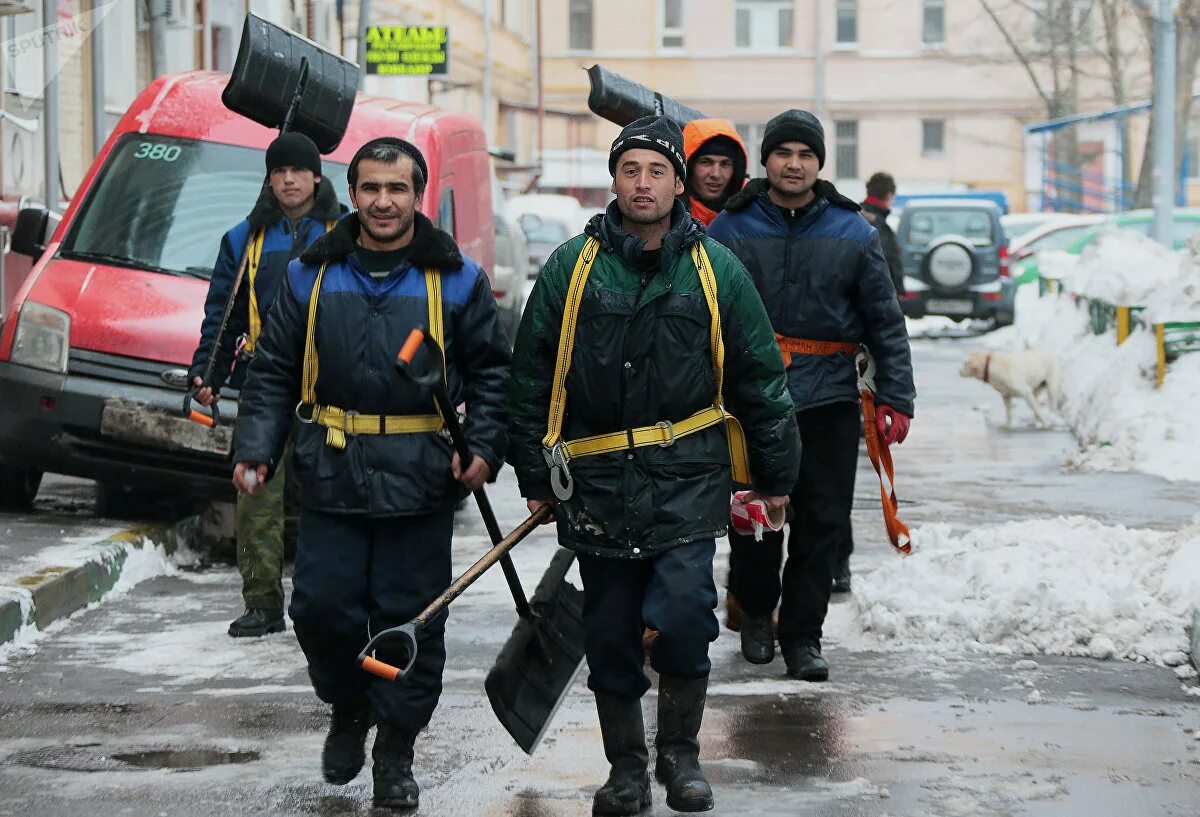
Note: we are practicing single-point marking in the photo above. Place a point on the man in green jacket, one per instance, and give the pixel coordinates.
(621, 379)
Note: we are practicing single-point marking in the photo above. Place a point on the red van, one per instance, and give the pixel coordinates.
(112, 308)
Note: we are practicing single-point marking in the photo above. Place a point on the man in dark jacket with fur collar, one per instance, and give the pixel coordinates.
(378, 481)
(296, 205)
(819, 268)
(670, 334)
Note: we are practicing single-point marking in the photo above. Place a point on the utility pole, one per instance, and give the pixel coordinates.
(1164, 122)
(489, 121)
(99, 112)
(158, 38)
(50, 102)
(818, 64)
(364, 15)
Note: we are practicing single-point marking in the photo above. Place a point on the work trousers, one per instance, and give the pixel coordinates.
(673, 593)
(820, 527)
(355, 576)
(260, 541)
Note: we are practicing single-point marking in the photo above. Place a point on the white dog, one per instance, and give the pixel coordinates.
(1017, 374)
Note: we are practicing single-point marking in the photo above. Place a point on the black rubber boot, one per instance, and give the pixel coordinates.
(395, 786)
(627, 790)
(805, 663)
(758, 638)
(343, 757)
(841, 576)
(680, 711)
(255, 622)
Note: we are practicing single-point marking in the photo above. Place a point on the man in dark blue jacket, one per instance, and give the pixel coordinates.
(296, 205)
(378, 481)
(819, 268)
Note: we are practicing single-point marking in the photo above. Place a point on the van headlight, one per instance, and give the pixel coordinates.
(43, 338)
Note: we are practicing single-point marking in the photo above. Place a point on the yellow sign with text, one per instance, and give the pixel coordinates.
(407, 51)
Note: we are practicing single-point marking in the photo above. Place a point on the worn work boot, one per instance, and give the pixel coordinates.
(395, 786)
(805, 663)
(733, 612)
(680, 711)
(758, 638)
(627, 790)
(256, 622)
(841, 576)
(343, 757)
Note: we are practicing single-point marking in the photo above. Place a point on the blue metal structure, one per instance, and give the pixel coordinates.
(1067, 187)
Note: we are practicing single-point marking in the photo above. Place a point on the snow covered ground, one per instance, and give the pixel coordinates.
(1122, 421)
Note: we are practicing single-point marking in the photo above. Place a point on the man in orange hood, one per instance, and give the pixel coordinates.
(716, 166)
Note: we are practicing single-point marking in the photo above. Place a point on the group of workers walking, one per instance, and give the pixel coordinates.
(700, 333)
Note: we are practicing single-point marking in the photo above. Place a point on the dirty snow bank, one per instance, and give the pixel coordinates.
(1062, 586)
(1122, 422)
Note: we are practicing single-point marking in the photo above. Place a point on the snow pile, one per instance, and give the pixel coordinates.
(1122, 421)
(1123, 268)
(1063, 586)
(1179, 298)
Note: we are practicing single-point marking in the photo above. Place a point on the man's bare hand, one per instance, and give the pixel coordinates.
(205, 396)
(475, 477)
(535, 505)
(775, 504)
(248, 477)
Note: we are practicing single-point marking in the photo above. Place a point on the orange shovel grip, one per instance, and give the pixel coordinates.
(375, 666)
(409, 350)
(201, 418)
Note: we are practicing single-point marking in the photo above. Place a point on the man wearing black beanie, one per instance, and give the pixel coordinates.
(818, 265)
(294, 206)
(655, 304)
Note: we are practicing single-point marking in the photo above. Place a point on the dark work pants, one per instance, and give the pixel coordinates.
(821, 500)
(355, 576)
(848, 543)
(672, 593)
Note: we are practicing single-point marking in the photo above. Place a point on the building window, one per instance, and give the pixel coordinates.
(581, 25)
(763, 23)
(752, 135)
(933, 26)
(933, 137)
(670, 23)
(847, 149)
(847, 22)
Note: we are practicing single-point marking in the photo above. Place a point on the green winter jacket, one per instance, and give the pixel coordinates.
(641, 356)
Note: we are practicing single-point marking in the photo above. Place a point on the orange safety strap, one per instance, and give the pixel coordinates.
(800, 346)
(881, 459)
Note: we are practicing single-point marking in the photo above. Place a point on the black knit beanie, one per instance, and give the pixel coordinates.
(657, 133)
(293, 149)
(794, 126)
(407, 148)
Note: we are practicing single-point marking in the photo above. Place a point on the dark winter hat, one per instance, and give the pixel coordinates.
(656, 133)
(293, 149)
(407, 148)
(719, 146)
(794, 126)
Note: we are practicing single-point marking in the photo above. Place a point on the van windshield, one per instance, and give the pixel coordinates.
(163, 203)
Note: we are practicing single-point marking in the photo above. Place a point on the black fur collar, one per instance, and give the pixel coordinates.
(266, 210)
(430, 246)
(758, 187)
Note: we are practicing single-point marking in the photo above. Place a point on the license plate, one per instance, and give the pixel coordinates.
(134, 422)
(950, 306)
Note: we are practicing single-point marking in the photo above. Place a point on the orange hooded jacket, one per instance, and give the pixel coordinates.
(695, 134)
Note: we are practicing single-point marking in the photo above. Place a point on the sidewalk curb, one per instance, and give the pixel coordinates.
(56, 592)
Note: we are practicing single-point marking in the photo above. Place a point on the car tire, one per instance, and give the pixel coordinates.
(18, 487)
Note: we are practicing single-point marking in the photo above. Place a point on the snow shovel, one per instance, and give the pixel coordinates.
(538, 664)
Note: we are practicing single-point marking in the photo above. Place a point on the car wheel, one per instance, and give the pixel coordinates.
(18, 487)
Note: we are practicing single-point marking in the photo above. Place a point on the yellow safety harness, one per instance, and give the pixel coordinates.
(339, 422)
(664, 433)
(254, 259)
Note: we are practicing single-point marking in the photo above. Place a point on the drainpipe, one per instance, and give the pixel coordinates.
(99, 113)
(50, 105)
(489, 121)
(819, 64)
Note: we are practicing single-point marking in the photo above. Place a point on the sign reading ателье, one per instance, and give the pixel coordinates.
(407, 51)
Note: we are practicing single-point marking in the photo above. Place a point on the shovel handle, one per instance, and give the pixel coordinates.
(200, 417)
(409, 350)
(376, 667)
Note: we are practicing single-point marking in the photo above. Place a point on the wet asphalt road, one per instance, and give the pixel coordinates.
(119, 710)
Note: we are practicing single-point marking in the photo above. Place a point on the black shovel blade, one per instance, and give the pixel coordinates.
(535, 669)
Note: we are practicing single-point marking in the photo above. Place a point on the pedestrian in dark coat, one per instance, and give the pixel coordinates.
(819, 268)
(378, 482)
(881, 192)
(296, 205)
(644, 513)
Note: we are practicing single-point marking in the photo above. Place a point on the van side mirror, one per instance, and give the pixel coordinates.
(530, 223)
(29, 233)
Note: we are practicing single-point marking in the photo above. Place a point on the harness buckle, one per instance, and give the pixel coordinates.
(350, 432)
(306, 420)
(864, 364)
(561, 481)
(670, 427)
